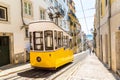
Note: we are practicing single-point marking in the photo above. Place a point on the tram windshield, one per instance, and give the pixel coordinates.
(38, 40)
(48, 40)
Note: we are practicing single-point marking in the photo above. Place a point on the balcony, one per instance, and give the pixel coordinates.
(71, 33)
(61, 12)
(70, 1)
(72, 15)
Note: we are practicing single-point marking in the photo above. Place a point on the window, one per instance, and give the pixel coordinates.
(28, 8)
(64, 24)
(3, 14)
(26, 33)
(55, 38)
(70, 43)
(101, 9)
(60, 39)
(106, 2)
(48, 40)
(60, 23)
(65, 41)
(38, 40)
(55, 3)
(31, 37)
(42, 14)
(51, 1)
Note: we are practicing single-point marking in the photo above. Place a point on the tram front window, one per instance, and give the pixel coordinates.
(38, 40)
(48, 40)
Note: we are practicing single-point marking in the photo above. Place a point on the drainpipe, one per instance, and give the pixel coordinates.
(109, 25)
(98, 7)
(22, 14)
(23, 26)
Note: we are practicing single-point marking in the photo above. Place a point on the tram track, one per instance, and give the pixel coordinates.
(37, 74)
(71, 66)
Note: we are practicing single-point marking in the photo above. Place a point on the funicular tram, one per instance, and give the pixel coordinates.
(51, 46)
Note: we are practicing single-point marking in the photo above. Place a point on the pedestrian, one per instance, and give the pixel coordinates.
(90, 50)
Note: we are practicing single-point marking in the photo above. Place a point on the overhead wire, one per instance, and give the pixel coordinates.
(83, 14)
(87, 9)
(86, 17)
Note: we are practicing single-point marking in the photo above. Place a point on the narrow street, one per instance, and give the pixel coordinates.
(30, 73)
(84, 67)
(59, 39)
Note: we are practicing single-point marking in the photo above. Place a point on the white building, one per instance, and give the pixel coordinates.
(15, 17)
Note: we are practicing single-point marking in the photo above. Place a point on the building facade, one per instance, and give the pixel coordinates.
(14, 21)
(107, 30)
(74, 24)
(15, 17)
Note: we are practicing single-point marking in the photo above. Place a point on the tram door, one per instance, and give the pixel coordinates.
(4, 50)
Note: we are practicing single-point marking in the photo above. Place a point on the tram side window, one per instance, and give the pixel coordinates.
(31, 46)
(48, 40)
(55, 36)
(70, 43)
(38, 40)
(65, 41)
(60, 39)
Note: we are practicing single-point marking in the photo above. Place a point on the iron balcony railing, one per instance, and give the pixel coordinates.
(70, 1)
(71, 12)
(61, 12)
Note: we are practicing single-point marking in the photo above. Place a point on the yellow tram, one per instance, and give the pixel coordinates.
(51, 46)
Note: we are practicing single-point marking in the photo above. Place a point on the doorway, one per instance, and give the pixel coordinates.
(101, 49)
(118, 50)
(106, 48)
(4, 50)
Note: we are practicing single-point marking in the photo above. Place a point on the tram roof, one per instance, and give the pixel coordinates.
(45, 25)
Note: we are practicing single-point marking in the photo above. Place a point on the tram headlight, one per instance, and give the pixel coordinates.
(38, 59)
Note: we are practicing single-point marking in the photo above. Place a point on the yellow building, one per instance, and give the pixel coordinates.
(73, 24)
(107, 26)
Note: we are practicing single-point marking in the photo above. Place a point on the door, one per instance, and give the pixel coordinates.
(118, 50)
(4, 50)
(101, 46)
(106, 48)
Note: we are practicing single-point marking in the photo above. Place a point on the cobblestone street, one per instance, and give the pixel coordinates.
(83, 68)
(90, 69)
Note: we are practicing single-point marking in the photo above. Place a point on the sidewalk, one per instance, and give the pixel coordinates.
(92, 69)
(11, 68)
